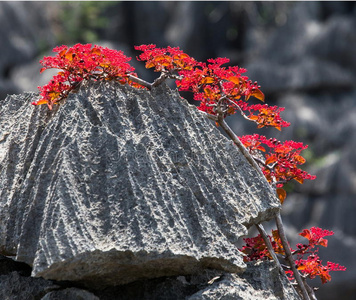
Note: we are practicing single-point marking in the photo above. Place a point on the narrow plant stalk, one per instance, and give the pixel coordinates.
(263, 233)
(209, 116)
(289, 257)
(309, 290)
(140, 81)
(160, 79)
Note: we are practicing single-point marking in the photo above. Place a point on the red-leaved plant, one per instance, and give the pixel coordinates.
(256, 249)
(220, 91)
(78, 63)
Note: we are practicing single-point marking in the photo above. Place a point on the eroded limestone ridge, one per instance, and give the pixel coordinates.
(120, 184)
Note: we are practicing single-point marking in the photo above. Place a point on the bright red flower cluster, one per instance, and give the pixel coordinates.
(78, 63)
(256, 249)
(280, 163)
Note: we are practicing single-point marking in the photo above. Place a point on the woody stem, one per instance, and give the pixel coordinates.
(140, 81)
(289, 257)
(270, 247)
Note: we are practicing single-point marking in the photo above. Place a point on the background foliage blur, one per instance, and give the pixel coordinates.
(301, 53)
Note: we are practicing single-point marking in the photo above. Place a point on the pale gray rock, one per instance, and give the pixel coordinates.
(261, 280)
(121, 184)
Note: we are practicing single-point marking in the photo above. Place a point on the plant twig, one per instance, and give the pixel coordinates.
(140, 81)
(309, 289)
(263, 233)
(289, 257)
(160, 79)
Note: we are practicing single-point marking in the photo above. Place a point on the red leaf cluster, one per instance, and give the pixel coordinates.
(165, 59)
(220, 90)
(311, 267)
(256, 249)
(279, 160)
(316, 236)
(78, 63)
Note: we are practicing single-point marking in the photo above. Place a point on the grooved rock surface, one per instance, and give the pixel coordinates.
(120, 184)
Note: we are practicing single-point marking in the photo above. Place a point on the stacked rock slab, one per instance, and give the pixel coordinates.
(120, 184)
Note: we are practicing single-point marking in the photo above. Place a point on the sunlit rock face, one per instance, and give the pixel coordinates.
(119, 184)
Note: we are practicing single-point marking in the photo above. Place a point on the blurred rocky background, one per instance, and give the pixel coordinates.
(301, 53)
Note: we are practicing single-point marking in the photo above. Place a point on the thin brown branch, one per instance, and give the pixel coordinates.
(140, 81)
(270, 247)
(305, 294)
(261, 162)
(209, 116)
(289, 257)
(309, 289)
(160, 79)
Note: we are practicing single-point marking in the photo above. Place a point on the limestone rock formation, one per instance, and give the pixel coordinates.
(121, 185)
(302, 55)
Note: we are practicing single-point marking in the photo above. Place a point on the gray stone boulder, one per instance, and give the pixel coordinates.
(119, 185)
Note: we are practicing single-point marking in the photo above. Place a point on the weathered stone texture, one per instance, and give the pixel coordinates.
(122, 184)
